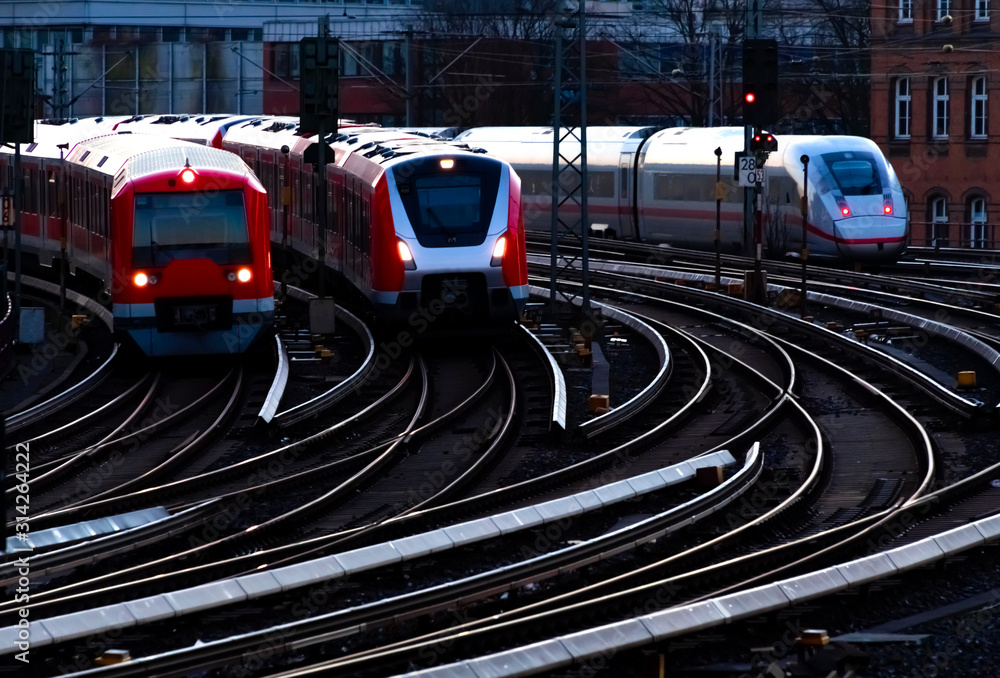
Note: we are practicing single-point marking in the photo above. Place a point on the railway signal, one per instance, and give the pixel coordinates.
(761, 105)
(763, 142)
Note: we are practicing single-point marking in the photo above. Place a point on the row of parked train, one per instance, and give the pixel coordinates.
(178, 215)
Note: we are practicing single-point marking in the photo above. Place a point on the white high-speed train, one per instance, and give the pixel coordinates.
(661, 187)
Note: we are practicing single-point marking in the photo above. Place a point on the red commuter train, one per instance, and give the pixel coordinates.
(423, 229)
(176, 232)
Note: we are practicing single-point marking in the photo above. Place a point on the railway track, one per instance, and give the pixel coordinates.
(813, 499)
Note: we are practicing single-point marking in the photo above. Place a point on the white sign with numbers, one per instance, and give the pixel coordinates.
(749, 175)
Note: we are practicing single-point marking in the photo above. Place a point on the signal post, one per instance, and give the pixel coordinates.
(761, 109)
(318, 113)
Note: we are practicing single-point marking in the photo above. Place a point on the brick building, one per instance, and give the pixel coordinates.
(934, 93)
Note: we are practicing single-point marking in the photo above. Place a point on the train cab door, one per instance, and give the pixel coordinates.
(626, 192)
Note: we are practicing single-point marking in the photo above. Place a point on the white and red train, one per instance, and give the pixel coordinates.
(176, 232)
(660, 187)
(423, 229)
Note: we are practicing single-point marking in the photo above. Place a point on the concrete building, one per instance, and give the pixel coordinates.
(127, 57)
(935, 96)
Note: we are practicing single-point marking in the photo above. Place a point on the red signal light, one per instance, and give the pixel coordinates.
(750, 97)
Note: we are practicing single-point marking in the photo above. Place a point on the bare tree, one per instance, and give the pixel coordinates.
(827, 81)
(486, 62)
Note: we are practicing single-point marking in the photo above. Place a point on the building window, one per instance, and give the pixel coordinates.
(982, 10)
(977, 222)
(939, 222)
(903, 109)
(978, 109)
(939, 116)
(906, 11)
(943, 9)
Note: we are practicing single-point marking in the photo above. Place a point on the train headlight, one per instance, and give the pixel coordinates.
(140, 279)
(887, 209)
(498, 251)
(405, 256)
(244, 275)
(845, 211)
(187, 176)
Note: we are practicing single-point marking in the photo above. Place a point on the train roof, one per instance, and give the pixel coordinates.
(696, 146)
(200, 129)
(140, 155)
(595, 133)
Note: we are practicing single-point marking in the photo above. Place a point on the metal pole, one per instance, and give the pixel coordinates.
(718, 219)
(62, 240)
(805, 228)
(556, 132)
(17, 234)
(409, 75)
(585, 220)
(711, 80)
(321, 211)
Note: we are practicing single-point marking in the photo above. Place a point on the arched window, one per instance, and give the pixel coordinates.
(902, 109)
(977, 222)
(940, 111)
(939, 222)
(978, 108)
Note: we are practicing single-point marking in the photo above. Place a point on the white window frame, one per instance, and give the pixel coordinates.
(978, 108)
(982, 10)
(939, 110)
(939, 220)
(902, 109)
(943, 9)
(977, 223)
(906, 11)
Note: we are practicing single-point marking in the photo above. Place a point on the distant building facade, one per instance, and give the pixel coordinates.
(934, 92)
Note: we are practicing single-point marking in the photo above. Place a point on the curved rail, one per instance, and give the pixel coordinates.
(556, 379)
(277, 390)
(310, 408)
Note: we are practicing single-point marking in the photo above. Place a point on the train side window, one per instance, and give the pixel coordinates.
(28, 190)
(52, 190)
(601, 184)
(672, 187)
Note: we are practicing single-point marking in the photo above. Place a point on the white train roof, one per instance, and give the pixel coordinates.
(696, 146)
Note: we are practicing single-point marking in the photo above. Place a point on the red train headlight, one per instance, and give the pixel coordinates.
(498, 251)
(244, 275)
(187, 176)
(140, 279)
(405, 256)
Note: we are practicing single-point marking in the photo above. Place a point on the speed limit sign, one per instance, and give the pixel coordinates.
(747, 171)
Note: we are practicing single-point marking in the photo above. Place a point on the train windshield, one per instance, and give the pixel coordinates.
(193, 225)
(449, 208)
(856, 173)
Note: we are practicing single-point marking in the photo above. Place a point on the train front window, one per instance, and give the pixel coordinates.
(172, 226)
(855, 173)
(449, 206)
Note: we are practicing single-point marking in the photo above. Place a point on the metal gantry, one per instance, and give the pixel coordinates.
(570, 219)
